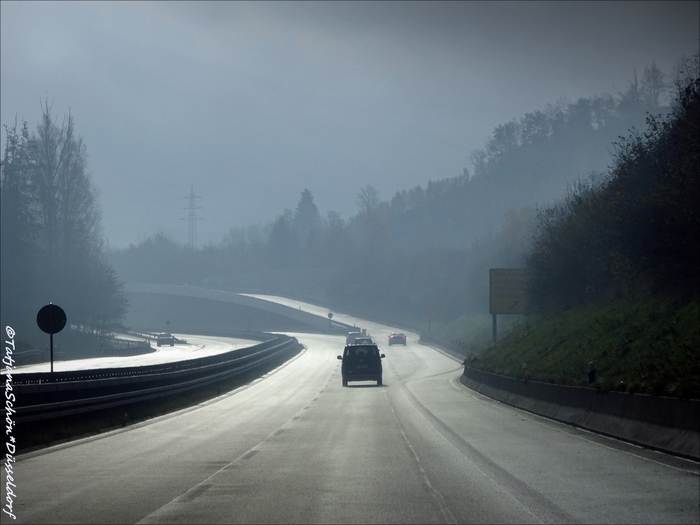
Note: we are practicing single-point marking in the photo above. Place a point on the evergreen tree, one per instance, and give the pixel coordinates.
(307, 220)
(51, 231)
(18, 238)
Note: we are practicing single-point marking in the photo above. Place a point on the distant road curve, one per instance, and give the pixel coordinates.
(318, 320)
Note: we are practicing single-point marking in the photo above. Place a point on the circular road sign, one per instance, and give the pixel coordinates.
(51, 319)
(330, 315)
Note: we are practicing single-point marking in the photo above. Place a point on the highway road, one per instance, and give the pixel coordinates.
(297, 447)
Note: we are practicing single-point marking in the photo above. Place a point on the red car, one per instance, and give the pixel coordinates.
(397, 339)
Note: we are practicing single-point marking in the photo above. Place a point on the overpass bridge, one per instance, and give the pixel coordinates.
(189, 309)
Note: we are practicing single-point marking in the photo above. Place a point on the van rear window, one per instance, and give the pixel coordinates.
(361, 351)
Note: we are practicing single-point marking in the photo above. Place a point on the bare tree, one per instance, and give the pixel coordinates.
(18, 236)
(653, 86)
(479, 161)
(69, 223)
(367, 199)
(48, 150)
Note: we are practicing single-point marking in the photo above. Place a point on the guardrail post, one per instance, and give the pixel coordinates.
(591, 373)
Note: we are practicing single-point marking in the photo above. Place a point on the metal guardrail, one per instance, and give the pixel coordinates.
(41, 396)
(136, 348)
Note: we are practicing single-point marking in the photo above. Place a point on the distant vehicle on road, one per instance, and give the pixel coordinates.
(361, 363)
(165, 339)
(363, 340)
(397, 339)
(352, 335)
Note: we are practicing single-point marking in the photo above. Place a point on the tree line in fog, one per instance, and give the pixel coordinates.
(52, 248)
(557, 190)
(423, 255)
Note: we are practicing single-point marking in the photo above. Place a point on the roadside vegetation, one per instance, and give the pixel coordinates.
(644, 346)
(615, 269)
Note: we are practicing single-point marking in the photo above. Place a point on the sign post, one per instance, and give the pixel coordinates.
(494, 329)
(507, 293)
(51, 320)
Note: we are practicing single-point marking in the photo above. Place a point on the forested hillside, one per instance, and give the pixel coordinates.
(422, 256)
(616, 269)
(636, 230)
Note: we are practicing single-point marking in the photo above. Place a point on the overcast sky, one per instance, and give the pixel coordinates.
(250, 103)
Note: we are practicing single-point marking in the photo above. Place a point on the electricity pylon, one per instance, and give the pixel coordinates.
(192, 219)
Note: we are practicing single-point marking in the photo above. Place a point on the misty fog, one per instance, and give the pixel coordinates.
(251, 102)
(377, 156)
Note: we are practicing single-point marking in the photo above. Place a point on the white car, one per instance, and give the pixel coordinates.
(165, 339)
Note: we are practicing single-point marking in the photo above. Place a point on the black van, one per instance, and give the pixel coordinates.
(361, 363)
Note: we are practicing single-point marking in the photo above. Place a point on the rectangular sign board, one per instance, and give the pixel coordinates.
(508, 290)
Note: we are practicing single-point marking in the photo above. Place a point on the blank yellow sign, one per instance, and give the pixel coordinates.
(508, 290)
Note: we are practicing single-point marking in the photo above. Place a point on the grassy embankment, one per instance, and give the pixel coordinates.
(648, 347)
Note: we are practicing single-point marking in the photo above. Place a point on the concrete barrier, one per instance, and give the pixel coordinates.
(661, 423)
